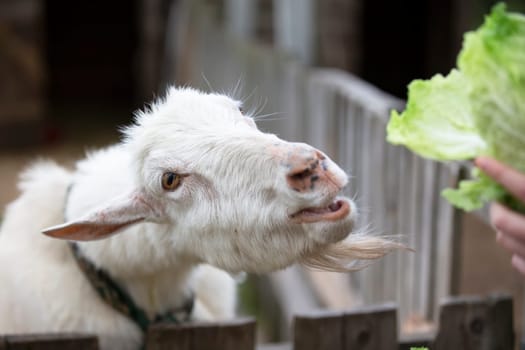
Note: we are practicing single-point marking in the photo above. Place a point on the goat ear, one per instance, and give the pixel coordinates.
(106, 221)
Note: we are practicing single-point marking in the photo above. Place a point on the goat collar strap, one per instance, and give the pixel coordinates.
(121, 301)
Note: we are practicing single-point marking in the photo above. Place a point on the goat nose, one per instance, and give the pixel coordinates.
(305, 169)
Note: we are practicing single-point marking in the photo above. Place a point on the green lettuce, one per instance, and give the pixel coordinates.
(477, 109)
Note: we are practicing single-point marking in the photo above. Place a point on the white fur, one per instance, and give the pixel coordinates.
(231, 211)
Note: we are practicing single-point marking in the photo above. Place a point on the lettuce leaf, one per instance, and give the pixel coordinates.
(471, 193)
(493, 60)
(438, 121)
(477, 109)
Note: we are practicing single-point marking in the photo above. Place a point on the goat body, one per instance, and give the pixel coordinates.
(193, 190)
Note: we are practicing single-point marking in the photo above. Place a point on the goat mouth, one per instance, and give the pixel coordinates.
(337, 210)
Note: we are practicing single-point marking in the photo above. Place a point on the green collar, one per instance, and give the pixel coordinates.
(120, 300)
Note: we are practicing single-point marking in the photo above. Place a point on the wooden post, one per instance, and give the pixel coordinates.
(372, 328)
(238, 334)
(319, 331)
(51, 342)
(500, 322)
(471, 323)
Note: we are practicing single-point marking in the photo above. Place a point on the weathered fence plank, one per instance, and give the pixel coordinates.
(238, 334)
(500, 322)
(322, 330)
(371, 329)
(471, 324)
(448, 225)
(51, 342)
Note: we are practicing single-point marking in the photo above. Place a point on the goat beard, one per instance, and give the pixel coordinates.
(352, 254)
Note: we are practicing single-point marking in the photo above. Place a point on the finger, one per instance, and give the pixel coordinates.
(511, 179)
(507, 221)
(519, 263)
(513, 245)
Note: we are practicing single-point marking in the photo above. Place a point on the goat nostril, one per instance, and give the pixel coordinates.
(302, 180)
(305, 168)
(302, 174)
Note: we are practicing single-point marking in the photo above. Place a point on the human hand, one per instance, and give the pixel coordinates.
(510, 225)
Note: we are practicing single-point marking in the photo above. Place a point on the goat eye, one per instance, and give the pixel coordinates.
(170, 181)
(241, 110)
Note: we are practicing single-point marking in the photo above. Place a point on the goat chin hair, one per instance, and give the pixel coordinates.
(352, 254)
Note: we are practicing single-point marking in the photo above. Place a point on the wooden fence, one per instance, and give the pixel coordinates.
(468, 323)
(65, 341)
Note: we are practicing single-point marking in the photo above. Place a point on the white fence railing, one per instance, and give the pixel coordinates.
(345, 117)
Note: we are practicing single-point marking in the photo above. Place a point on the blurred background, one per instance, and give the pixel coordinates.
(72, 72)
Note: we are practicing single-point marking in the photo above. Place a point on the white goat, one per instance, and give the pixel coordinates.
(193, 183)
